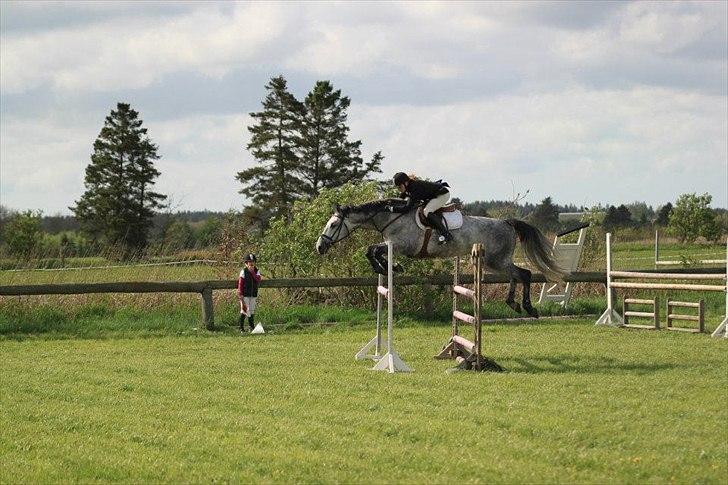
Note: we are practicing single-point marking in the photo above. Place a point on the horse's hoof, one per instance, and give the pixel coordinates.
(397, 268)
(531, 311)
(514, 305)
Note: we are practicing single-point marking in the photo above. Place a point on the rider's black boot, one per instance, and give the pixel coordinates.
(437, 222)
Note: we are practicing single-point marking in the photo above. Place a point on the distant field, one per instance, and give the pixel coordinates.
(579, 404)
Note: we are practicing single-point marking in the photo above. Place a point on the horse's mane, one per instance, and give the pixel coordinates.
(373, 206)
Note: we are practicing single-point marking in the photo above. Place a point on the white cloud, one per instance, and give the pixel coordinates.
(577, 146)
(119, 54)
(649, 130)
(644, 30)
(42, 164)
(200, 157)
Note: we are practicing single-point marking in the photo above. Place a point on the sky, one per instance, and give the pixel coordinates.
(588, 103)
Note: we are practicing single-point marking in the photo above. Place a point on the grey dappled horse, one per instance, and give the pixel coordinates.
(497, 236)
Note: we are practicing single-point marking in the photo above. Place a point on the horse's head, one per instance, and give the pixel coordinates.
(337, 228)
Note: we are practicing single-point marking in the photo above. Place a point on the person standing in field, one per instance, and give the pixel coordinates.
(248, 292)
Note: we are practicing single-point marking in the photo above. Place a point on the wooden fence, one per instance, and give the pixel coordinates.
(205, 288)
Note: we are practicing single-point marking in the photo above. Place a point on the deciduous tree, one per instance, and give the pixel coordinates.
(692, 217)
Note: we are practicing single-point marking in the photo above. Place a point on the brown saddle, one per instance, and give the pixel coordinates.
(446, 208)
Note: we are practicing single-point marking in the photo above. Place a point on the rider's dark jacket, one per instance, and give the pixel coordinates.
(419, 191)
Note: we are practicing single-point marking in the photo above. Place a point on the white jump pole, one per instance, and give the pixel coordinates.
(376, 342)
(722, 330)
(390, 362)
(610, 317)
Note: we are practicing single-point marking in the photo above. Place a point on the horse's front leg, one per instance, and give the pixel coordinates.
(377, 266)
(380, 253)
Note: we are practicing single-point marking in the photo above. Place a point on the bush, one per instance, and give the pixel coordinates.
(288, 250)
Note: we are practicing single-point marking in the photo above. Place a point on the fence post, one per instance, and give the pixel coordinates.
(427, 294)
(207, 309)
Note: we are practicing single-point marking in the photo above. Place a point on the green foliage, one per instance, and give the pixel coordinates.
(22, 233)
(692, 217)
(640, 213)
(178, 235)
(617, 217)
(209, 233)
(119, 202)
(291, 244)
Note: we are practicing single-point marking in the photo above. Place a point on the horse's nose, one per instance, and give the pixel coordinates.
(321, 247)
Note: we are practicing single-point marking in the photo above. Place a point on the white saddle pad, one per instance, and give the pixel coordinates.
(453, 219)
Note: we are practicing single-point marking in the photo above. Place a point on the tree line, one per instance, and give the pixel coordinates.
(300, 148)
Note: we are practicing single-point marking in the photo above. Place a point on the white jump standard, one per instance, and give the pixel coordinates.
(390, 362)
(568, 256)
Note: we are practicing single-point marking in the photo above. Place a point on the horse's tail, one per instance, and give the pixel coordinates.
(538, 249)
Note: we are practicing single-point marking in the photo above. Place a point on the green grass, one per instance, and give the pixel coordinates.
(641, 254)
(579, 403)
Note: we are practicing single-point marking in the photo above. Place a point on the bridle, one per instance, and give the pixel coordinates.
(330, 240)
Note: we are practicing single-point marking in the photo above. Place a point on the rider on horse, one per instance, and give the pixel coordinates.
(433, 195)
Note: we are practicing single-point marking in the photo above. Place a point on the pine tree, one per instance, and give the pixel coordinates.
(119, 202)
(328, 158)
(272, 186)
(546, 215)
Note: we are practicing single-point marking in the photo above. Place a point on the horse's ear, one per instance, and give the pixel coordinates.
(337, 208)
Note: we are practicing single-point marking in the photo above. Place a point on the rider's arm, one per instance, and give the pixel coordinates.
(402, 208)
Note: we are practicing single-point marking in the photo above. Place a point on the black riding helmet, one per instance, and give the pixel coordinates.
(250, 257)
(400, 178)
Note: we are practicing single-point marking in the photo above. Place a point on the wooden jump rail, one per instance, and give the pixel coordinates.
(611, 317)
(700, 317)
(390, 362)
(654, 314)
(468, 354)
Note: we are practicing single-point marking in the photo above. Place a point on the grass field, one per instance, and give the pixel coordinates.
(99, 388)
(579, 403)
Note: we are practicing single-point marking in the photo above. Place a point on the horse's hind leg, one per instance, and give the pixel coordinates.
(525, 278)
(510, 300)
